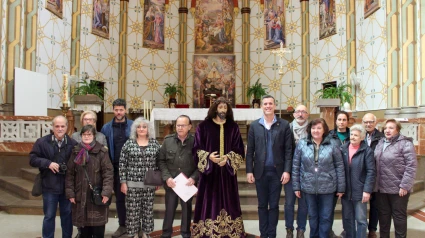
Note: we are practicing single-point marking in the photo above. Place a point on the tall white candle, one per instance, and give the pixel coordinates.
(144, 108)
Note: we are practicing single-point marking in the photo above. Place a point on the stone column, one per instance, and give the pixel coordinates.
(305, 52)
(30, 23)
(122, 70)
(393, 62)
(182, 48)
(75, 37)
(246, 11)
(351, 43)
(408, 23)
(421, 87)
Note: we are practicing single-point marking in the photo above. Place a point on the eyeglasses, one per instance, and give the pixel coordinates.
(300, 112)
(368, 122)
(88, 119)
(87, 135)
(182, 126)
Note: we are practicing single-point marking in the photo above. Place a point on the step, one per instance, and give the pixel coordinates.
(29, 174)
(18, 186)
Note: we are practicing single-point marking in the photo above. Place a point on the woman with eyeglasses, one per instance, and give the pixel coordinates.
(89, 118)
(89, 159)
(139, 154)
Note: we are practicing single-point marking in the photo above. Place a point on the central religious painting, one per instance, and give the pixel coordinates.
(213, 76)
(214, 27)
(274, 22)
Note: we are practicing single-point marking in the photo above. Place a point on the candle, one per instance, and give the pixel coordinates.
(65, 90)
(144, 109)
(150, 108)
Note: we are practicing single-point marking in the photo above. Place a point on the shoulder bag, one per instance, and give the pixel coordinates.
(37, 188)
(96, 193)
(153, 178)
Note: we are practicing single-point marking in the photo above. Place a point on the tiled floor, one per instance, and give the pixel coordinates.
(29, 226)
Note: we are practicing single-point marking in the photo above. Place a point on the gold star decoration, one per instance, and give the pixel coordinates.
(259, 33)
(136, 65)
(169, 68)
(169, 33)
(259, 68)
(85, 53)
(152, 84)
(137, 27)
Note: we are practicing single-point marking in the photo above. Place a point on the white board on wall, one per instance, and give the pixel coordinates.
(30, 93)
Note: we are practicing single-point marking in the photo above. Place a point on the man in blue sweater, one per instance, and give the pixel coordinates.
(117, 132)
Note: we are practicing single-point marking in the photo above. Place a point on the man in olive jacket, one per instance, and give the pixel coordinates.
(175, 157)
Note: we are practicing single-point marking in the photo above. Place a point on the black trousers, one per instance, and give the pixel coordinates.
(93, 231)
(171, 202)
(395, 207)
(119, 197)
(373, 213)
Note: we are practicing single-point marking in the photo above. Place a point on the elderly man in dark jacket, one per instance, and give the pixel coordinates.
(372, 138)
(360, 178)
(50, 155)
(268, 163)
(175, 157)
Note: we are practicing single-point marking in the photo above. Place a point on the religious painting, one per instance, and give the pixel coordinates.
(274, 22)
(213, 76)
(214, 26)
(370, 6)
(56, 7)
(327, 18)
(153, 25)
(100, 26)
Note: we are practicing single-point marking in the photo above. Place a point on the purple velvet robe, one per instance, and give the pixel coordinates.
(217, 210)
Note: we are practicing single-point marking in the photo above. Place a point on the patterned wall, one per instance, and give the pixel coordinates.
(149, 69)
(99, 56)
(286, 88)
(3, 24)
(371, 58)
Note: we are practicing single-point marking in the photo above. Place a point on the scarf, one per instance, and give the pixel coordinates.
(83, 157)
(300, 132)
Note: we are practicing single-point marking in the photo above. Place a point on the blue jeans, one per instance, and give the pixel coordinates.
(289, 211)
(269, 188)
(320, 210)
(50, 205)
(354, 212)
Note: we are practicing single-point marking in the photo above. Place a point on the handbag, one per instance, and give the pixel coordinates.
(37, 188)
(96, 193)
(153, 178)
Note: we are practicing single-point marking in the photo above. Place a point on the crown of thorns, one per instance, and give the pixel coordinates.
(221, 100)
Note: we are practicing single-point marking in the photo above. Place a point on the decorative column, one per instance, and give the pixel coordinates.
(14, 49)
(246, 11)
(183, 10)
(122, 68)
(409, 64)
(30, 23)
(351, 43)
(305, 52)
(75, 37)
(421, 88)
(3, 24)
(393, 62)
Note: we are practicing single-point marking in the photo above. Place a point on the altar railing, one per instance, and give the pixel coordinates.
(24, 129)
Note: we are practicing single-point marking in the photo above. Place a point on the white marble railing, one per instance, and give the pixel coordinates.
(23, 131)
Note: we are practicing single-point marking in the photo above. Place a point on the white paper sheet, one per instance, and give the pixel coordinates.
(182, 190)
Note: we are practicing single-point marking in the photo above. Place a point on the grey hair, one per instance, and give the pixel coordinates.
(359, 128)
(138, 122)
(59, 117)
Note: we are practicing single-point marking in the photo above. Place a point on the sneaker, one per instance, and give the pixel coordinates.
(300, 234)
(372, 234)
(119, 232)
(289, 233)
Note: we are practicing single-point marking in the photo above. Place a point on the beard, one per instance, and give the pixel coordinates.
(300, 120)
(221, 115)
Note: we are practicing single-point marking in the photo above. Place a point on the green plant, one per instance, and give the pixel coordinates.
(93, 87)
(256, 90)
(337, 92)
(171, 89)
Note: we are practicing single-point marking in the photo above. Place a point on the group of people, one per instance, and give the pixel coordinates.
(315, 165)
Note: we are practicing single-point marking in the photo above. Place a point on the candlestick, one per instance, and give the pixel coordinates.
(65, 90)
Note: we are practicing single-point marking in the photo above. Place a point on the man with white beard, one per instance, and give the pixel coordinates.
(298, 127)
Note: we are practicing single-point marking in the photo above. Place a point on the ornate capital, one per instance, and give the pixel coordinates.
(183, 10)
(246, 10)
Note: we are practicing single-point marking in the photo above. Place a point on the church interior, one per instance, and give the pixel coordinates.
(136, 49)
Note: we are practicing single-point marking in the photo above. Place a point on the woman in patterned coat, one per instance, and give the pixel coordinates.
(138, 155)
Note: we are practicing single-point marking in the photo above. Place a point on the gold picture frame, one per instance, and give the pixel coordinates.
(100, 18)
(370, 6)
(52, 6)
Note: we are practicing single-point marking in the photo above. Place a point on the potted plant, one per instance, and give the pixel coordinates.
(88, 92)
(171, 90)
(336, 96)
(256, 90)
